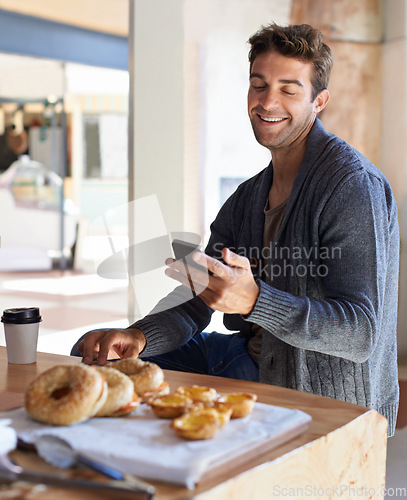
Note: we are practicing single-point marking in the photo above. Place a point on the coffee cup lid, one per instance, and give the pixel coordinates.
(21, 315)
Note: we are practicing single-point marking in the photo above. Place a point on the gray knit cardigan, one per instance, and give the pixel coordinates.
(328, 304)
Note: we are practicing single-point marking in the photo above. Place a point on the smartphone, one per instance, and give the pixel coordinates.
(183, 250)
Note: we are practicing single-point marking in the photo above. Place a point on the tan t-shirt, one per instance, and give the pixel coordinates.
(272, 223)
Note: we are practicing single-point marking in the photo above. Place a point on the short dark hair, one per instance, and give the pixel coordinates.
(302, 42)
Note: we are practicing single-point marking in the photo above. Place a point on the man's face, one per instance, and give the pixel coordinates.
(280, 103)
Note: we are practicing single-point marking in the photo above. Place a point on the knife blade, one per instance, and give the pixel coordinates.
(13, 473)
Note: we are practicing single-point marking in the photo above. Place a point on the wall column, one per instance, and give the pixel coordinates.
(156, 114)
(354, 32)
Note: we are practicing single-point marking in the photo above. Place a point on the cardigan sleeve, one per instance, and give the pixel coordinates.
(358, 289)
(173, 322)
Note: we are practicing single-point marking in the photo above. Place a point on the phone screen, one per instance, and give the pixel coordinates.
(183, 250)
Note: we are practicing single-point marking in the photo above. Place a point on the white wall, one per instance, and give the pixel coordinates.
(30, 78)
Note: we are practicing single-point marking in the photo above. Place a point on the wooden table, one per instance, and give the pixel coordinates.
(342, 451)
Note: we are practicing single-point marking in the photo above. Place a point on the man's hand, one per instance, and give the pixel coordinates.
(231, 288)
(100, 345)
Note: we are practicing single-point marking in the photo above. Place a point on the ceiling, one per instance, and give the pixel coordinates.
(107, 16)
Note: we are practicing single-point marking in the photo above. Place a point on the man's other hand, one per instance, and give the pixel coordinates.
(100, 345)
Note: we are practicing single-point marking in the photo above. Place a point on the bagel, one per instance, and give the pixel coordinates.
(66, 395)
(147, 377)
(121, 398)
(162, 390)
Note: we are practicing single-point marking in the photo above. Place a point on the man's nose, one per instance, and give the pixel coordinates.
(269, 99)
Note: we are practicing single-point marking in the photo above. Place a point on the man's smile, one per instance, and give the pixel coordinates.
(271, 119)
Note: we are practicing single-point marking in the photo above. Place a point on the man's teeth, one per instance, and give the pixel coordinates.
(271, 119)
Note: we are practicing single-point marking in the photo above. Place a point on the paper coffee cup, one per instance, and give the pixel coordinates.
(21, 331)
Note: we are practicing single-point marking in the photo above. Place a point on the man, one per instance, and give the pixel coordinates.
(303, 256)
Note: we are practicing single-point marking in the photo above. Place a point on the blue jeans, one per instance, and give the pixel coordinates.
(208, 353)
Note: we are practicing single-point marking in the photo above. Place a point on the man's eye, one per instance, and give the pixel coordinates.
(258, 87)
(288, 93)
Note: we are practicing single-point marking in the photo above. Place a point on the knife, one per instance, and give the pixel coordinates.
(11, 472)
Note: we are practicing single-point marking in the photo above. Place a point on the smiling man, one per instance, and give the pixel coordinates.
(303, 256)
(282, 110)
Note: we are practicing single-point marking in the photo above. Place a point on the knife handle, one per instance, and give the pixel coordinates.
(114, 474)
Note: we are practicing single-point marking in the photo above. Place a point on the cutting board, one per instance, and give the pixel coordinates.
(147, 446)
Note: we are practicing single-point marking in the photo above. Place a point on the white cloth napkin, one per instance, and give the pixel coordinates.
(8, 437)
(146, 446)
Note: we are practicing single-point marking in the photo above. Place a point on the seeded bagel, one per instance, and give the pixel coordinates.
(66, 394)
(121, 399)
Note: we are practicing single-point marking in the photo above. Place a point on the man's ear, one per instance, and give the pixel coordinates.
(321, 101)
